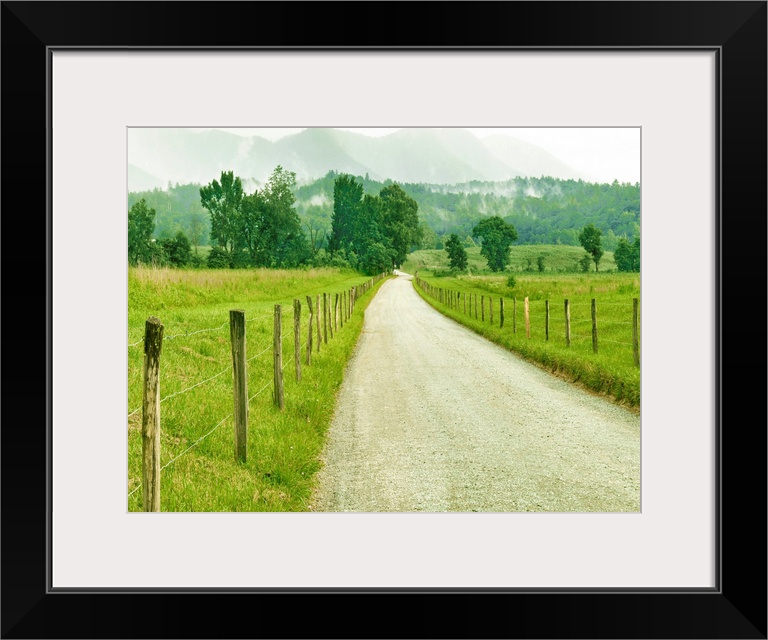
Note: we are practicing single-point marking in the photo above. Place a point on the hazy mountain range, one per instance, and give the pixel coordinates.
(157, 156)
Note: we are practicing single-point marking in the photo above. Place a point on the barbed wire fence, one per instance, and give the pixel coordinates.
(335, 312)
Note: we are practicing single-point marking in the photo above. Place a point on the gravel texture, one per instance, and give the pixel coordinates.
(432, 417)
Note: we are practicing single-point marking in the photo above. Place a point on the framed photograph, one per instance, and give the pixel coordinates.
(691, 77)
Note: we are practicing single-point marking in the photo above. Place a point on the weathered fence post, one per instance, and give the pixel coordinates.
(546, 321)
(514, 314)
(475, 306)
(465, 303)
(150, 419)
(567, 323)
(527, 318)
(490, 309)
(336, 313)
(318, 323)
(482, 308)
(297, 338)
(325, 319)
(277, 350)
(594, 325)
(501, 313)
(635, 346)
(309, 333)
(240, 378)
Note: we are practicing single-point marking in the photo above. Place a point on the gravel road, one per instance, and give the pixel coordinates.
(432, 417)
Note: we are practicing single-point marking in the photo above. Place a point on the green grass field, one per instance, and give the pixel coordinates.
(611, 371)
(522, 259)
(197, 430)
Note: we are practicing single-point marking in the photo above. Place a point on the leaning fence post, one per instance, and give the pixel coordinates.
(501, 313)
(309, 332)
(567, 323)
(336, 313)
(546, 321)
(297, 338)
(240, 381)
(594, 325)
(277, 349)
(150, 420)
(527, 318)
(635, 346)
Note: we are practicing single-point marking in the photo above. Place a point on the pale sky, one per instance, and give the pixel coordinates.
(602, 154)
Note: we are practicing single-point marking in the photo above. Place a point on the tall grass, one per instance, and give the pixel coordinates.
(283, 447)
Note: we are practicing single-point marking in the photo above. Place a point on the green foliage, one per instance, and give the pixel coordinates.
(399, 221)
(497, 237)
(585, 262)
(627, 256)
(511, 281)
(540, 263)
(457, 255)
(223, 201)
(589, 237)
(141, 224)
(219, 258)
(347, 197)
(178, 251)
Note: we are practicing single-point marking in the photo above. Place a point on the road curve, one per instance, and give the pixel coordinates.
(432, 417)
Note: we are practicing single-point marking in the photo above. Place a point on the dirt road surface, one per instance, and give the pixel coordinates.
(432, 417)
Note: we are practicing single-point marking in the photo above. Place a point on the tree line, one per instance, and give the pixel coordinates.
(262, 229)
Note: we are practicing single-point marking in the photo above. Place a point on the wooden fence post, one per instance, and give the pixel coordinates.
(490, 309)
(277, 350)
(635, 345)
(527, 318)
(150, 418)
(594, 325)
(482, 308)
(546, 321)
(297, 338)
(475, 306)
(336, 313)
(240, 378)
(325, 319)
(514, 314)
(501, 313)
(309, 333)
(567, 323)
(318, 323)
(465, 303)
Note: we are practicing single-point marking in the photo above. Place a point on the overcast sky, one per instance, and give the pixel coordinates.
(603, 154)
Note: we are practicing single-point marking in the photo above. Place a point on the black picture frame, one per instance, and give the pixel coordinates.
(736, 608)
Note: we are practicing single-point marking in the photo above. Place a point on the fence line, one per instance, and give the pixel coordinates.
(329, 320)
(451, 299)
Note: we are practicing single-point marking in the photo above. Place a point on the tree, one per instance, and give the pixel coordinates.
(178, 251)
(141, 225)
(347, 196)
(590, 240)
(627, 256)
(497, 237)
(540, 263)
(399, 221)
(223, 200)
(457, 254)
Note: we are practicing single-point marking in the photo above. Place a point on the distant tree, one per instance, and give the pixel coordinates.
(399, 222)
(141, 225)
(585, 262)
(457, 254)
(590, 240)
(347, 196)
(219, 258)
(178, 251)
(497, 237)
(224, 200)
(196, 229)
(540, 263)
(627, 256)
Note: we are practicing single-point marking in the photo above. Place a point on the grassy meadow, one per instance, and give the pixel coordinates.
(197, 427)
(611, 371)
